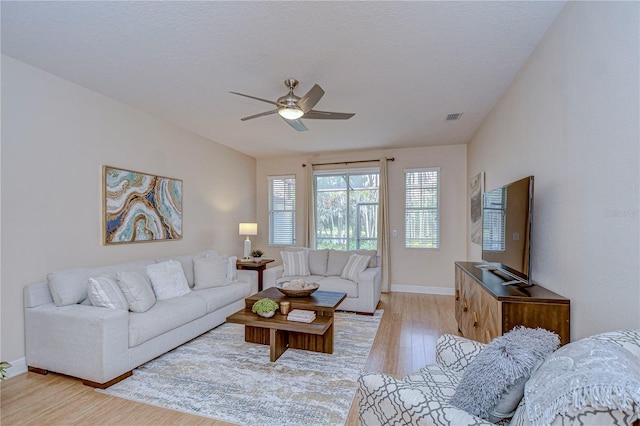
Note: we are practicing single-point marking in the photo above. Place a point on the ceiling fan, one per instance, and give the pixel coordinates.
(292, 108)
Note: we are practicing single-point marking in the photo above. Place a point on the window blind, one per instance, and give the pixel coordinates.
(422, 224)
(282, 210)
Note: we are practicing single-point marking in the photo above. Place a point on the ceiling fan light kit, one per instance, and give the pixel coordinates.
(291, 107)
(291, 113)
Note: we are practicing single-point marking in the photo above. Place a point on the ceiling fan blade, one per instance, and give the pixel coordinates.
(253, 97)
(308, 101)
(259, 115)
(296, 124)
(326, 115)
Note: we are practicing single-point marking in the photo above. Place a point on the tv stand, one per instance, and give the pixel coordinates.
(487, 307)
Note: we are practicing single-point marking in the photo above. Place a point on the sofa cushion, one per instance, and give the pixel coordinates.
(187, 267)
(295, 263)
(493, 383)
(68, 287)
(373, 260)
(210, 270)
(357, 263)
(164, 316)
(331, 283)
(318, 260)
(103, 291)
(137, 290)
(167, 279)
(219, 297)
(337, 261)
(586, 373)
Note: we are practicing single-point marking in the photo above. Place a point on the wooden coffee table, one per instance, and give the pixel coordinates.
(280, 334)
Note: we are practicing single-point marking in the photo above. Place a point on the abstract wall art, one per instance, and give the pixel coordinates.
(476, 189)
(139, 207)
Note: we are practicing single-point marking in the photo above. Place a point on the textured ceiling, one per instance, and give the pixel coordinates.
(400, 66)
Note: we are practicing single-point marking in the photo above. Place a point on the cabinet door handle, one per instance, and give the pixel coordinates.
(457, 294)
(466, 306)
(475, 319)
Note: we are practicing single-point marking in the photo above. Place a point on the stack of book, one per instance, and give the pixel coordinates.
(301, 315)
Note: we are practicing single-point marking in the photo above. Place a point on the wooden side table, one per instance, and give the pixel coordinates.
(254, 265)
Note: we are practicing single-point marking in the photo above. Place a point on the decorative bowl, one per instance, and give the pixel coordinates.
(305, 292)
(266, 314)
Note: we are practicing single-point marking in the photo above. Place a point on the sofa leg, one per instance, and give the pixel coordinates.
(38, 370)
(109, 383)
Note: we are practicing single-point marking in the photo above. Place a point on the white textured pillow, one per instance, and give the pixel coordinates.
(168, 280)
(232, 269)
(210, 271)
(357, 263)
(136, 290)
(104, 291)
(295, 264)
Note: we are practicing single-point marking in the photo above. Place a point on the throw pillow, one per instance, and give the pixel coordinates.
(136, 290)
(68, 287)
(357, 263)
(493, 383)
(232, 269)
(295, 264)
(210, 271)
(586, 373)
(104, 291)
(168, 280)
(318, 260)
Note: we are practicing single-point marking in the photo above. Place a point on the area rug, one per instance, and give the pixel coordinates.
(220, 376)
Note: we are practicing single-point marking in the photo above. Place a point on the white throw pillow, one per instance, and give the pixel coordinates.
(210, 271)
(136, 290)
(232, 271)
(104, 291)
(168, 280)
(357, 263)
(295, 264)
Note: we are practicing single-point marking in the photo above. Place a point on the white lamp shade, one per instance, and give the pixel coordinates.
(248, 229)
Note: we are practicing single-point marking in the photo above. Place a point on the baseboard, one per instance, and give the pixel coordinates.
(403, 288)
(18, 366)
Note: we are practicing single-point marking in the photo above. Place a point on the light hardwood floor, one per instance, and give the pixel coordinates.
(405, 342)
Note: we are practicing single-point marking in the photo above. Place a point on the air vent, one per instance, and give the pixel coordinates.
(453, 117)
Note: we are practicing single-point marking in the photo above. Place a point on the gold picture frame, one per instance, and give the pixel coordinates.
(140, 207)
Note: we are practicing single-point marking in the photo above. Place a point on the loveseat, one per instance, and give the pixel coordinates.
(594, 381)
(98, 324)
(356, 273)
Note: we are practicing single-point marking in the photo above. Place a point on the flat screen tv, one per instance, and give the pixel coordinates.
(507, 218)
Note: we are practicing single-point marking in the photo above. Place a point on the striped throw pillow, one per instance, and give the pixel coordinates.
(295, 264)
(357, 263)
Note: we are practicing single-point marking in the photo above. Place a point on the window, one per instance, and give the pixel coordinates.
(494, 209)
(347, 209)
(282, 210)
(422, 223)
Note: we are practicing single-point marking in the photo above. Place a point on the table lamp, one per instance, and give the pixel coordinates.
(247, 229)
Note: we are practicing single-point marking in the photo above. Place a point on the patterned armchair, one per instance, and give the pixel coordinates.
(423, 398)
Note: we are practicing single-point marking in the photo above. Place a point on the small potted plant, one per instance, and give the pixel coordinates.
(266, 307)
(3, 369)
(257, 254)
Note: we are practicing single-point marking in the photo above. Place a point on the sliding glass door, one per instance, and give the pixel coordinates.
(347, 209)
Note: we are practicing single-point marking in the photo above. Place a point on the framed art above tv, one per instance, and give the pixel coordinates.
(139, 207)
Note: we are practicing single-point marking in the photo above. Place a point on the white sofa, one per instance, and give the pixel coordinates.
(594, 381)
(101, 345)
(326, 267)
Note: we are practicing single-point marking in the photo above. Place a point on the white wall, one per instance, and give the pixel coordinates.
(571, 118)
(55, 138)
(412, 269)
